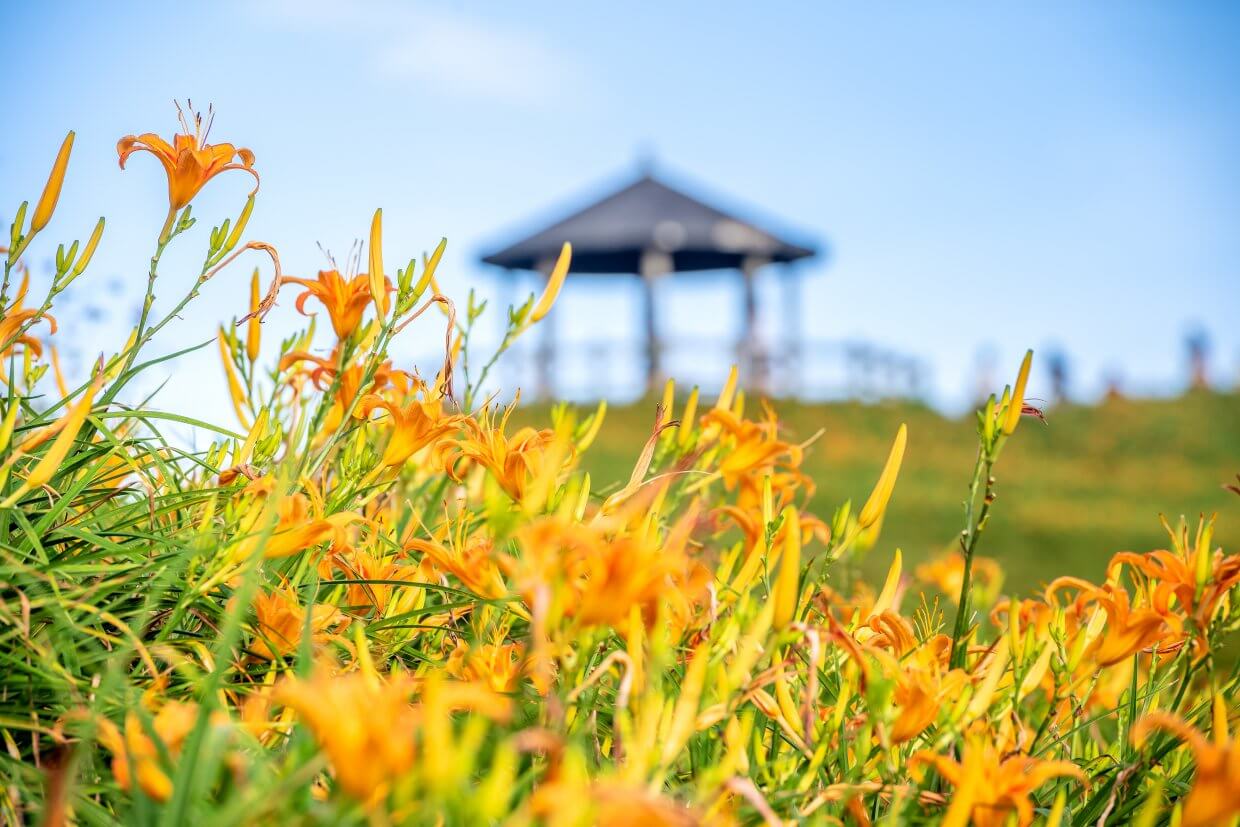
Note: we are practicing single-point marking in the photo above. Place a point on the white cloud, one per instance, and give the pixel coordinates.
(449, 53)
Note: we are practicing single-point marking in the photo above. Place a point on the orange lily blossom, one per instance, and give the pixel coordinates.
(414, 425)
(1129, 628)
(496, 665)
(189, 160)
(135, 753)
(281, 621)
(1215, 794)
(346, 299)
(365, 725)
(470, 558)
(14, 317)
(990, 787)
(324, 371)
(512, 460)
(1176, 575)
(296, 529)
(598, 578)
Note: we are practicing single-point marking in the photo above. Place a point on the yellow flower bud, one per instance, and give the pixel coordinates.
(787, 587)
(554, 282)
(51, 191)
(378, 293)
(429, 265)
(254, 330)
(877, 503)
(1012, 417)
(89, 251)
(687, 419)
(234, 383)
(59, 450)
(235, 236)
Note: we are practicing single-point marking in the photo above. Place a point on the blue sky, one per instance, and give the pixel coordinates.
(991, 176)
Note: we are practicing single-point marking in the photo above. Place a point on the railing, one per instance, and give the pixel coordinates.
(615, 370)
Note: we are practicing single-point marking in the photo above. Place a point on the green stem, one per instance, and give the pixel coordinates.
(968, 541)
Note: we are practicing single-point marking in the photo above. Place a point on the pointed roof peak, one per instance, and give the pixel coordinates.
(648, 214)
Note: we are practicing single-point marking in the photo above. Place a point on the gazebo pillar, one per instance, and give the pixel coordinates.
(791, 324)
(750, 356)
(653, 265)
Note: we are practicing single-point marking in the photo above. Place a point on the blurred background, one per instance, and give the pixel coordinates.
(873, 209)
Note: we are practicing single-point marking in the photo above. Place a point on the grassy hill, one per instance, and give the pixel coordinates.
(1071, 493)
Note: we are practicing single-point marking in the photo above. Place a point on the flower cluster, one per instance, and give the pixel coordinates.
(371, 600)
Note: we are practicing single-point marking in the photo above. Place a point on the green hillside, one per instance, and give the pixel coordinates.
(1072, 492)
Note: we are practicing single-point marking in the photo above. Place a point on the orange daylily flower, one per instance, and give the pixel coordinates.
(753, 452)
(596, 578)
(281, 621)
(322, 372)
(513, 460)
(1215, 794)
(371, 596)
(469, 558)
(14, 317)
(172, 724)
(495, 665)
(1129, 629)
(415, 425)
(189, 160)
(991, 787)
(346, 299)
(296, 529)
(1175, 575)
(946, 573)
(366, 726)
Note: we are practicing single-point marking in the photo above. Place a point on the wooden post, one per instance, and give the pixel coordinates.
(653, 265)
(791, 323)
(752, 362)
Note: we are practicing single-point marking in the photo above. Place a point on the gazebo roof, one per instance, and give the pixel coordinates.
(612, 234)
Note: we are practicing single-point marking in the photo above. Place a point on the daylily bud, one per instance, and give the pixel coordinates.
(378, 292)
(429, 265)
(254, 331)
(1012, 417)
(554, 282)
(15, 231)
(6, 428)
(787, 587)
(877, 503)
(687, 419)
(668, 402)
(89, 251)
(235, 236)
(59, 450)
(234, 384)
(51, 191)
(724, 402)
(596, 423)
(887, 597)
(988, 420)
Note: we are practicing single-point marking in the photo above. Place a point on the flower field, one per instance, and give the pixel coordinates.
(379, 597)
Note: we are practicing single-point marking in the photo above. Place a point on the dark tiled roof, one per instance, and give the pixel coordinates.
(611, 235)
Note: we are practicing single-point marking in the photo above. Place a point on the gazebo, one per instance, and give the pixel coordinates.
(651, 230)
